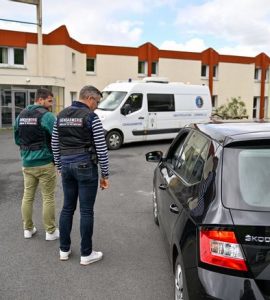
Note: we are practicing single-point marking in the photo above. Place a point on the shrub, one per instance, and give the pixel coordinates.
(234, 109)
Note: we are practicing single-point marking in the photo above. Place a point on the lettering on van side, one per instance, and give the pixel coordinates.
(182, 115)
(132, 124)
(200, 114)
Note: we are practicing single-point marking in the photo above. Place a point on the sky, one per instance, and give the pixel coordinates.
(234, 27)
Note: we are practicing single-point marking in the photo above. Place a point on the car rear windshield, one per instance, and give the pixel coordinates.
(246, 177)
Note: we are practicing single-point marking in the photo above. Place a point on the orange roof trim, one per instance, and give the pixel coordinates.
(147, 51)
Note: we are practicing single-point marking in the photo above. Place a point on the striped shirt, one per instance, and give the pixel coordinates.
(95, 126)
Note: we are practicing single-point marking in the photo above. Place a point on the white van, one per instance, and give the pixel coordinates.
(151, 109)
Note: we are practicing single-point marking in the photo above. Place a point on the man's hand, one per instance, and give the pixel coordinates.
(104, 183)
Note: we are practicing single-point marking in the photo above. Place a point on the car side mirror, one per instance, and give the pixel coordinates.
(125, 109)
(154, 156)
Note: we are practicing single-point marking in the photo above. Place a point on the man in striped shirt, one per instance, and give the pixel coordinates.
(78, 145)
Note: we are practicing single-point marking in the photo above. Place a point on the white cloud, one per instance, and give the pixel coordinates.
(241, 23)
(194, 45)
(239, 27)
(87, 21)
(241, 50)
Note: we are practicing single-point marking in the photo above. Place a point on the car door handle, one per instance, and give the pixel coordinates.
(174, 208)
(163, 186)
(141, 118)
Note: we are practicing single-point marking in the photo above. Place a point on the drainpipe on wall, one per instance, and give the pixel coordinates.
(40, 42)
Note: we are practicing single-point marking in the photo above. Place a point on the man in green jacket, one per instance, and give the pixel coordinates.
(32, 133)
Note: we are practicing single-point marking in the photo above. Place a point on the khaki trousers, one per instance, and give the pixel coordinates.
(45, 176)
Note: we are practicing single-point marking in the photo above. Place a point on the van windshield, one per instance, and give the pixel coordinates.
(111, 100)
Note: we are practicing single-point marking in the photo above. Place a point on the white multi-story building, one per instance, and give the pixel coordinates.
(64, 65)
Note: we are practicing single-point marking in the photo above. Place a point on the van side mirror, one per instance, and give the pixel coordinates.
(154, 156)
(125, 109)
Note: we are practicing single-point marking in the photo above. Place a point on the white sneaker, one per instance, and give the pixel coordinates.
(52, 236)
(93, 257)
(29, 233)
(64, 255)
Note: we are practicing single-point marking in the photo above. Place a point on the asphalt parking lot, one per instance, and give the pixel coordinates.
(135, 264)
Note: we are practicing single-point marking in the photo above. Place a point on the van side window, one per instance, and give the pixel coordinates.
(160, 102)
(133, 103)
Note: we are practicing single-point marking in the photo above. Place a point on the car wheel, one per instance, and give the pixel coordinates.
(179, 281)
(114, 140)
(155, 207)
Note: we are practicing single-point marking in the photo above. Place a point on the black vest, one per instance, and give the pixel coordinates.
(74, 135)
(32, 135)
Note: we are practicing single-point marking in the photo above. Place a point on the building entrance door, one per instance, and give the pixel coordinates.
(6, 109)
(12, 102)
(19, 102)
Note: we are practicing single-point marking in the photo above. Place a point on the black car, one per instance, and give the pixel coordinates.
(211, 199)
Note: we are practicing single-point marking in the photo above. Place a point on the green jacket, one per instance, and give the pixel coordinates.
(37, 157)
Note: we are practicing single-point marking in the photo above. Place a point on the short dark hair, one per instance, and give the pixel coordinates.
(43, 93)
(89, 90)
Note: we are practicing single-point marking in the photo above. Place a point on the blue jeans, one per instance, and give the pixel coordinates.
(79, 179)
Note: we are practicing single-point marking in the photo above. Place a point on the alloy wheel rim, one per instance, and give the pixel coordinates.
(114, 140)
(179, 286)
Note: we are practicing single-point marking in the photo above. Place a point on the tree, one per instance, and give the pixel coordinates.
(234, 109)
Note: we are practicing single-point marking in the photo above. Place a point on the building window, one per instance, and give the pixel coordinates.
(12, 56)
(214, 101)
(154, 68)
(90, 65)
(256, 107)
(257, 74)
(142, 67)
(73, 58)
(204, 71)
(267, 75)
(215, 71)
(266, 107)
(3, 55)
(18, 56)
(73, 96)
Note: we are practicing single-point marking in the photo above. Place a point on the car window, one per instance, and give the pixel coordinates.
(190, 163)
(246, 173)
(176, 149)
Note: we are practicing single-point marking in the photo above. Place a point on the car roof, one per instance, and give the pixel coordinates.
(229, 132)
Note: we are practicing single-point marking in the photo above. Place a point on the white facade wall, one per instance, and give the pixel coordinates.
(180, 70)
(233, 81)
(110, 68)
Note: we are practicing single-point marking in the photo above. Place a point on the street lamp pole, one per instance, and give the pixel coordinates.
(38, 4)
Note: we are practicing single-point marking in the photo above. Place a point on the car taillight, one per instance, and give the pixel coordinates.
(220, 248)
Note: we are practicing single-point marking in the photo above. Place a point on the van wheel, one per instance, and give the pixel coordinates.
(179, 280)
(114, 140)
(155, 207)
